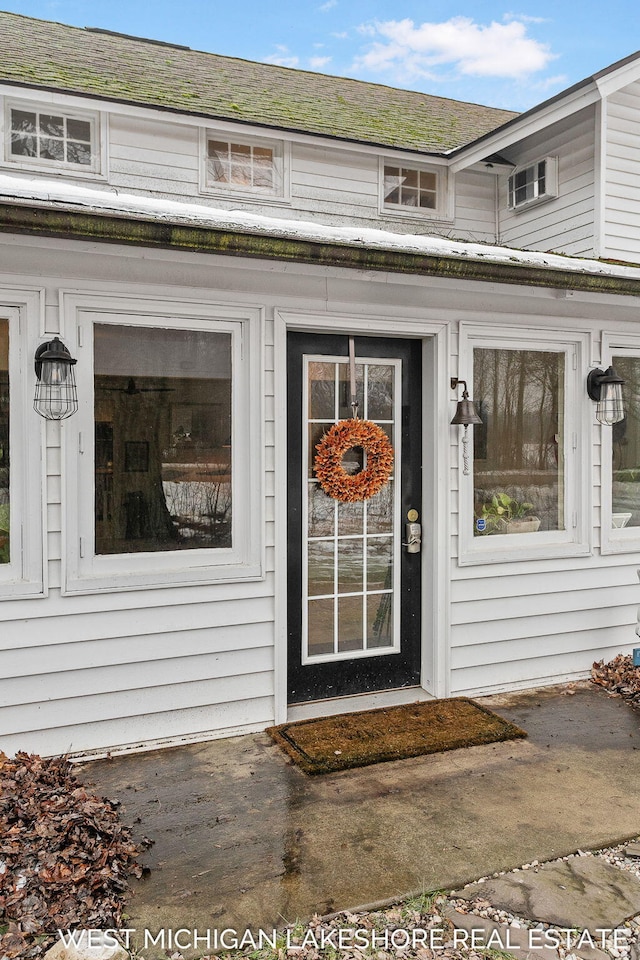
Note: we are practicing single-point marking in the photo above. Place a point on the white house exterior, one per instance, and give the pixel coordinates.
(205, 236)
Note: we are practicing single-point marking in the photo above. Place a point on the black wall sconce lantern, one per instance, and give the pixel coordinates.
(605, 388)
(465, 415)
(56, 397)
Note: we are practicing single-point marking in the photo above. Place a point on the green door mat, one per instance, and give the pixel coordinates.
(390, 733)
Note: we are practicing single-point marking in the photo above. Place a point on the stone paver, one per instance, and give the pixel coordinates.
(580, 892)
(487, 933)
(98, 947)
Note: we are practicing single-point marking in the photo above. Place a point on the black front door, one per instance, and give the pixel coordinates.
(353, 586)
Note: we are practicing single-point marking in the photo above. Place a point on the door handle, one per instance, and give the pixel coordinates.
(413, 533)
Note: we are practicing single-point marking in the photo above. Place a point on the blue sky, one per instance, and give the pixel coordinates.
(491, 52)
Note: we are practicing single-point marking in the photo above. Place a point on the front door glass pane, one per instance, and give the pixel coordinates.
(350, 562)
(519, 447)
(5, 555)
(162, 439)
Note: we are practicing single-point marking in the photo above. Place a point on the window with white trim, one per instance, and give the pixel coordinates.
(416, 190)
(170, 480)
(524, 496)
(620, 531)
(533, 183)
(238, 165)
(21, 561)
(52, 139)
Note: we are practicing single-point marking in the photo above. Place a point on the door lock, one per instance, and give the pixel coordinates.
(413, 533)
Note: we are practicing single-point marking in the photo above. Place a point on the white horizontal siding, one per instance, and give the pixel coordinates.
(622, 175)
(475, 207)
(166, 725)
(566, 223)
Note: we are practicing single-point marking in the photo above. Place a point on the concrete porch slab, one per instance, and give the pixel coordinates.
(244, 840)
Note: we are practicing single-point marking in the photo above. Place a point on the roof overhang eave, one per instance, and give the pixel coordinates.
(527, 124)
(36, 220)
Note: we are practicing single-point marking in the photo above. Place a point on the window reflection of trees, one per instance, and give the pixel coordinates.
(626, 445)
(518, 449)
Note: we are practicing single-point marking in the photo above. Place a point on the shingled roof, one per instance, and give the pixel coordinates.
(96, 63)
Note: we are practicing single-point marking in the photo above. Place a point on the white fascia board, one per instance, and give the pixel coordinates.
(530, 123)
(609, 83)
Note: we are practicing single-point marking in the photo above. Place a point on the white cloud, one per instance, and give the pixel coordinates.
(493, 50)
(283, 57)
(343, 35)
(317, 63)
(329, 5)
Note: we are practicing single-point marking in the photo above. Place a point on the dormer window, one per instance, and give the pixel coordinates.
(244, 166)
(533, 183)
(414, 191)
(50, 139)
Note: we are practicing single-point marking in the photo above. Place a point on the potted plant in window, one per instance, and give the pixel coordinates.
(504, 514)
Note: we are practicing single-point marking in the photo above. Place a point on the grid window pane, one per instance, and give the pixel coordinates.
(23, 146)
(51, 126)
(519, 447)
(321, 568)
(51, 149)
(320, 626)
(162, 439)
(379, 620)
(79, 130)
(350, 565)
(350, 625)
(79, 153)
(23, 121)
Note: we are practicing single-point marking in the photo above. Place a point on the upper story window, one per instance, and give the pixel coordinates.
(244, 166)
(535, 182)
(412, 190)
(52, 139)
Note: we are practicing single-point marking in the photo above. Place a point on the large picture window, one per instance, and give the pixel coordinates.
(163, 452)
(625, 449)
(527, 492)
(169, 488)
(519, 447)
(5, 496)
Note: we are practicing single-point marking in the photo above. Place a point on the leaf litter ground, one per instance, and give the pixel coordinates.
(65, 857)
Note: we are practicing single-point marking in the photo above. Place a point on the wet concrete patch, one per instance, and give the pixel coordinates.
(243, 839)
(580, 892)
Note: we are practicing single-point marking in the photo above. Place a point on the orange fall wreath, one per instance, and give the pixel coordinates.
(342, 436)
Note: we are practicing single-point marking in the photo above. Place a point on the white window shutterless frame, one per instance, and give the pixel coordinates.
(55, 139)
(21, 465)
(90, 565)
(620, 519)
(572, 536)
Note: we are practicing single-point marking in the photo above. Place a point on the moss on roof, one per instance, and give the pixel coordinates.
(39, 53)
